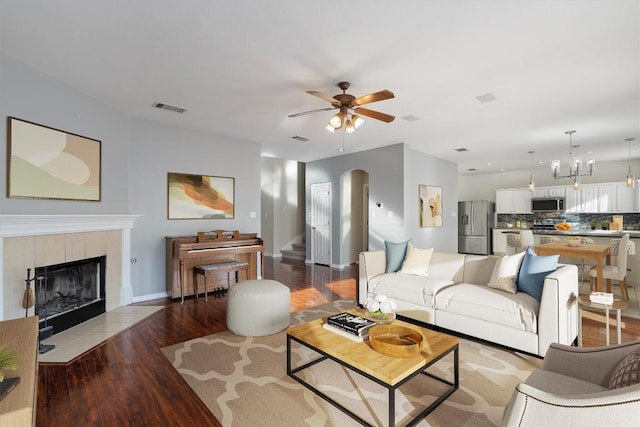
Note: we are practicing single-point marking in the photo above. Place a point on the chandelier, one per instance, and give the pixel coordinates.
(349, 121)
(577, 167)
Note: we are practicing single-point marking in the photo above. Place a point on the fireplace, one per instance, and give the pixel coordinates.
(70, 293)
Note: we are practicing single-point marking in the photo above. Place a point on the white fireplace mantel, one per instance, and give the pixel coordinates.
(31, 225)
(37, 225)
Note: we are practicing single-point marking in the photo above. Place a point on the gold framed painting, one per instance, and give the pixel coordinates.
(48, 163)
(430, 206)
(200, 196)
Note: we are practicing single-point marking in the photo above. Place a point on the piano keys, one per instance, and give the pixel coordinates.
(185, 252)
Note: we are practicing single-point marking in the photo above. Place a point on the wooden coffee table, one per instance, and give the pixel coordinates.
(389, 372)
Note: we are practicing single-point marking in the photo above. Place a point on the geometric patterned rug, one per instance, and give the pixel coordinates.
(243, 382)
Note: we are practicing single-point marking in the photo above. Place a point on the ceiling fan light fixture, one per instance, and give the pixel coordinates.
(336, 121)
(357, 121)
(349, 127)
(330, 128)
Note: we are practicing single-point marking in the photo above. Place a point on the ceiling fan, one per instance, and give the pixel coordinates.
(350, 108)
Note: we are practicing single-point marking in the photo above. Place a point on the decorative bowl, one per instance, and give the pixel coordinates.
(574, 240)
(379, 317)
(395, 341)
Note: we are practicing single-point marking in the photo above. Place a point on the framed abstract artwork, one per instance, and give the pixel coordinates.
(47, 163)
(200, 196)
(430, 206)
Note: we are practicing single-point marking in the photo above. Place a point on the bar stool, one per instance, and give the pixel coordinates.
(513, 241)
(526, 239)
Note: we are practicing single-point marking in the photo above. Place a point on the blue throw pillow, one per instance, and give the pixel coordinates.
(533, 271)
(395, 255)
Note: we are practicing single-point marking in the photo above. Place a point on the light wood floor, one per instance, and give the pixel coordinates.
(128, 382)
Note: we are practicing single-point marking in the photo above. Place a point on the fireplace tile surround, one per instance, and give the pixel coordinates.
(28, 241)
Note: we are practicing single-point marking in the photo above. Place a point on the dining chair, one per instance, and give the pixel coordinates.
(615, 272)
(549, 239)
(526, 239)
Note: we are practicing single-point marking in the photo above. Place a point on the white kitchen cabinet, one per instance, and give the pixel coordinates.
(513, 201)
(499, 242)
(554, 191)
(625, 198)
(589, 195)
(607, 201)
(572, 200)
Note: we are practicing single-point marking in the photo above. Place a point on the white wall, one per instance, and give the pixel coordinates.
(136, 156)
(384, 166)
(282, 211)
(158, 149)
(394, 174)
(422, 168)
(35, 97)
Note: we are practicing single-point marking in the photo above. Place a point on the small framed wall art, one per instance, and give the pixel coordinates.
(430, 206)
(200, 196)
(47, 163)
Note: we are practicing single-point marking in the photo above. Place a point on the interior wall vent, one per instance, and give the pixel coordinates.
(487, 97)
(300, 138)
(168, 107)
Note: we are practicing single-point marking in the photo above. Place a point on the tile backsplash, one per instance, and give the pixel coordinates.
(631, 220)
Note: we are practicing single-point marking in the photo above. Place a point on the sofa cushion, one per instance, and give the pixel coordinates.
(505, 273)
(395, 255)
(519, 311)
(408, 287)
(533, 271)
(558, 384)
(627, 372)
(416, 261)
(448, 266)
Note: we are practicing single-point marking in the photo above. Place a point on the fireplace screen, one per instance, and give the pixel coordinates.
(70, 293)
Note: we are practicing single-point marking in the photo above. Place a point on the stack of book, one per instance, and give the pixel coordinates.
(349, 325)
(601, 297)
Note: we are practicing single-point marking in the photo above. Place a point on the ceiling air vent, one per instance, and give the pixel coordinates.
(460, 150)
(472, 169)
(168, 107)
(487, 97)
(300, 138)
(411, 118)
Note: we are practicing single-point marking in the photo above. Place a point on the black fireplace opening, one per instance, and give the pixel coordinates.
(70, 293)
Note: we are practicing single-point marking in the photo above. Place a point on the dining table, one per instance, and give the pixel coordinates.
(600, 253)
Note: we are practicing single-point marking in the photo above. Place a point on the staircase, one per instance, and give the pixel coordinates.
(296, 254)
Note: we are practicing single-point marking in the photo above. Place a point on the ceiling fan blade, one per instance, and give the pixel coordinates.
(375, 114)
(324, 96)
(373, 97)
(312, 111)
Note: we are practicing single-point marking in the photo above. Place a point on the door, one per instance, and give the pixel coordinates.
(321, 223)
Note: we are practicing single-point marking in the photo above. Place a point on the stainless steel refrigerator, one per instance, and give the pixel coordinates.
(475, 220)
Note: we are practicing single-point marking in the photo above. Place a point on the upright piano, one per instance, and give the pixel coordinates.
(185, 252)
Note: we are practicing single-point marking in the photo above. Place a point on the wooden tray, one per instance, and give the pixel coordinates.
(395, 341)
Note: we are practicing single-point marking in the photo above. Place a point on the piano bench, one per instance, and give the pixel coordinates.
(220, 267)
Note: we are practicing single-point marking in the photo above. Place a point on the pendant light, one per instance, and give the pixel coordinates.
(631, 178)
(532, 183)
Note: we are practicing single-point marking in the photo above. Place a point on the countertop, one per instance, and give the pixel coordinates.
(592, 233)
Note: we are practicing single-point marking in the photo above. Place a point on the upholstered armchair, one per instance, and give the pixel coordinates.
(573, 388)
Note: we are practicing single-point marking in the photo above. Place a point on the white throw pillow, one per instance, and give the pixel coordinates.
(416, 261)
(505, 273)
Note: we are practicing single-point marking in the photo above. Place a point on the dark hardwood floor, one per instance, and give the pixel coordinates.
(127, 381)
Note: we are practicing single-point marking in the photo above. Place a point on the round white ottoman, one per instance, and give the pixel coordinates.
(258, 307)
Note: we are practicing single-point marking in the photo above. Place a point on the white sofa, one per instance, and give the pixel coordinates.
(454, 295)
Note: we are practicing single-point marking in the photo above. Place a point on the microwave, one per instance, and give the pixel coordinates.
(548, 204)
